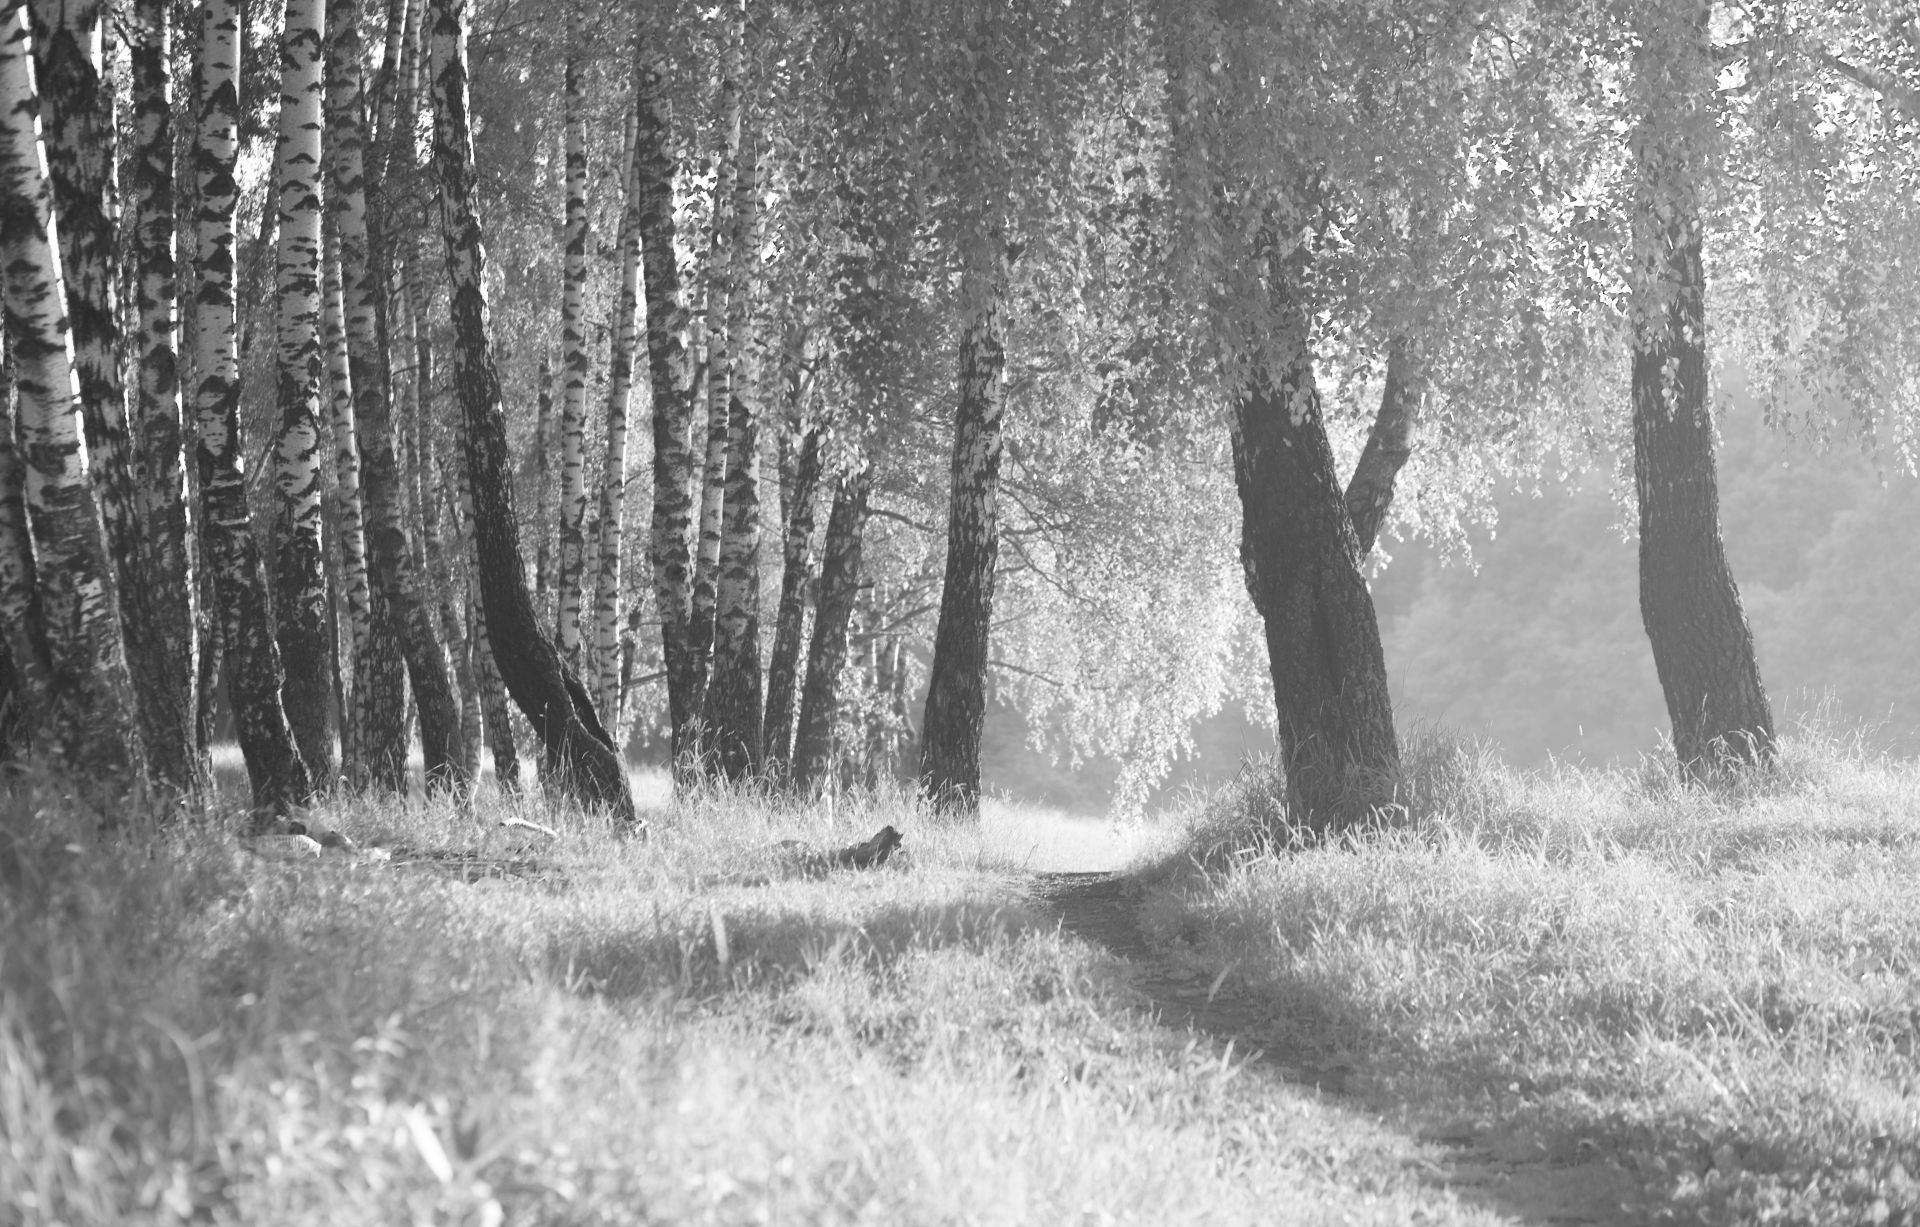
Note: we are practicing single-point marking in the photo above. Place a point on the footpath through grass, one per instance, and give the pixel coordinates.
(1713, 998)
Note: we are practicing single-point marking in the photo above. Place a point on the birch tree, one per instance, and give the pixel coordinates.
(300, 589)
(573, 354)
(577, 750)
(625, 336)
(279, 775)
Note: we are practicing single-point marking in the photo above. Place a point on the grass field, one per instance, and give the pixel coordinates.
(1578, 996)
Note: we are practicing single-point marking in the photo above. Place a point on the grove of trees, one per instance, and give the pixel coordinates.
(971, 340)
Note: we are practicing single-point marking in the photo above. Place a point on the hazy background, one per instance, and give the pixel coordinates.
(1537, 645)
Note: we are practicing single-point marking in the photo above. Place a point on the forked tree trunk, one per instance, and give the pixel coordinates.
(573, 353)
(401, 612)
(1702, 645)
(956, 687)
(79, 132)
(839, 586)
(250, 658)
(613, 476)
(1301, 555)
(735, 699)
(796, 573)
(158, 422)
(672, 409)
(578, 752)
(300, 573)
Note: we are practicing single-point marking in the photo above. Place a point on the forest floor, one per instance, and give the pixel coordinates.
(1576, 997)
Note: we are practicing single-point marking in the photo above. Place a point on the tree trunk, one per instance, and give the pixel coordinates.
(167, 572)
(300, 574)
(1702, 646)
(784, 667)
(489, 700)
(29, 669)
(79, 133)
(400, 609)
(956, 688)
(718, 363)
(839, 586)
(250, 657)
(613, 478)
(653, 166)
(1301, 554)
(573, 354)
(578, 752)
(1389, 445)
(735, 702)
(543, 487)
(351, 533)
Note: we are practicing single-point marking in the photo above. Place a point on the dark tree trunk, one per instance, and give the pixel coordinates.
(578, 752)
(839, 587)
(784, 667)
(1702, 646)
(1389, 445)
(957, 685)
(672, 403)
(1302, 561)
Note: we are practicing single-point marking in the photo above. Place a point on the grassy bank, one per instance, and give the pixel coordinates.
(1719, 994)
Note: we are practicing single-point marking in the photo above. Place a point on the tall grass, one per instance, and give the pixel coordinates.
(1717, 989)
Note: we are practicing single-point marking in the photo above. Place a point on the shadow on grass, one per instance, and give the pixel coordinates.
(704, 954)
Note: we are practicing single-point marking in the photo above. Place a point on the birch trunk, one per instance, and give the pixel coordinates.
(718, 364)
(613, 478)
(1702, 645)
(300, 588)
(1301, 555)
(30, 672)
(543, 487)
(490, 700)
(735, 699)
(672, 404)
(79, 136)
(839, 586)
(573, 354)
(351, 532)
(956, 688)
(250, 657)
(578, 752)
(398, 602)
(166, 568)
(789, 631)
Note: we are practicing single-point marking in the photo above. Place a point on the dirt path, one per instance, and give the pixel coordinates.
(1501, 1173)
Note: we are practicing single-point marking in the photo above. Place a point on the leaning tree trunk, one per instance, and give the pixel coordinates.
(300, 572)
(398, 598)
(1302, 559)
(578, 752)
(735, 702)
(956, 686)
(613, 477)
(79, 131)
(161, 430)
(796, 573)
(1389, 445)
(839, 587)
(573, 353)
(251, 658)
(672, 557)
(1702, 646)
